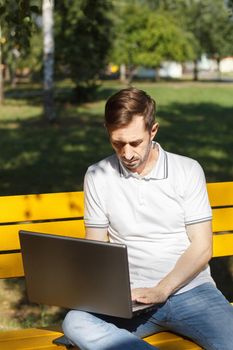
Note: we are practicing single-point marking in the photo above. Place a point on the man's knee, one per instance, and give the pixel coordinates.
(75, 323)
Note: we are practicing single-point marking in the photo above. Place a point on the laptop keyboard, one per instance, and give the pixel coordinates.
(140, 306)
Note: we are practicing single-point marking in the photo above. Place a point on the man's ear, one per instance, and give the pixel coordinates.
(154, 130)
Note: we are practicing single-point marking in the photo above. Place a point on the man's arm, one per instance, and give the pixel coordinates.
(98, 234)
(190, 263)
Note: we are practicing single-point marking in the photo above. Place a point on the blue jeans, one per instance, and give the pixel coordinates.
(202, 314)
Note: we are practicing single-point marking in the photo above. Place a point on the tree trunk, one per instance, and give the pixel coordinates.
(49, 112)
(123, 73)
(218, 69)
(156, 76)
(195, 70)
(130, 74)
(1, 71)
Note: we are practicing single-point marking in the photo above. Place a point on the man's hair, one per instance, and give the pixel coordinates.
(122, 107)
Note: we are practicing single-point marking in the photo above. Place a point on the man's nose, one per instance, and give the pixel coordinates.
(127, 152)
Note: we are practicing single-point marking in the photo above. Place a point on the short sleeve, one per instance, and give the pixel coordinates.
(94, 213)
(196, 202)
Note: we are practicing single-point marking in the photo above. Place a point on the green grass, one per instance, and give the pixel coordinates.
(195, 120)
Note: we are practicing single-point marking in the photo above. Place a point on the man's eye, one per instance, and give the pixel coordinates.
(135, 144)
(117, 145)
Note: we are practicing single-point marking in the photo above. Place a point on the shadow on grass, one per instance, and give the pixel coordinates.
(34, 94)
(28, 314)
(37, 158)
(202, 131)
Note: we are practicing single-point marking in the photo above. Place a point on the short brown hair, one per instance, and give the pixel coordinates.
(127, 103)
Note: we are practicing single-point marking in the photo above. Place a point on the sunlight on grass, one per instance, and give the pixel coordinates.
(195, 120)
(19, 110)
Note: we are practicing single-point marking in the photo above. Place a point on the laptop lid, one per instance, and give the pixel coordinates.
(77, 273)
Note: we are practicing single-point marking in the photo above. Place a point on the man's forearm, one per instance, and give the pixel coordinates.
(189, 265)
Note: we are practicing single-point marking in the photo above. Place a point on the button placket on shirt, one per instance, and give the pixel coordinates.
(141, 198)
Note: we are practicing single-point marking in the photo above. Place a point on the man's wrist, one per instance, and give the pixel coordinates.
(166, 287)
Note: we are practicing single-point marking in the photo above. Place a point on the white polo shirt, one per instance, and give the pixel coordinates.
(149, 214)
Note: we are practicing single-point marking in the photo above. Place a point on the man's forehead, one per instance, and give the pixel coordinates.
(126, 135)
(136, 127)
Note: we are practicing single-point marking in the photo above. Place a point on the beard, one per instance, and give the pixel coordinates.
(137, 161)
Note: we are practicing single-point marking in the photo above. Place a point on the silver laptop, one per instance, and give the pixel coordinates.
(78, 274)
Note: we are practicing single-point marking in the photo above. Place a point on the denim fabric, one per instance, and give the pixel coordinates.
(202, 314)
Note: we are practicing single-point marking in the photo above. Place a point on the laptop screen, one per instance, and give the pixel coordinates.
(76, 273)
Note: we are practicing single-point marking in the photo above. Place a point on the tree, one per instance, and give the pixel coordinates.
(129, 20)
(47, 11)
(210, 23)
(16, 25)
(83, 36)
(207, 23)
(162, 39)
(148, 37)
(1, 67)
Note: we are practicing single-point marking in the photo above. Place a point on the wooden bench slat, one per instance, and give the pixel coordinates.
(9, 233)
(170, 341)
(34, 338)
(220, 193)
(9, 238)
(222, 219)
(11, 265)
(223, 245)
(41, 206)
(28, 339)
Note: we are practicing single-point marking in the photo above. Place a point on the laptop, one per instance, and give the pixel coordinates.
(78, 274)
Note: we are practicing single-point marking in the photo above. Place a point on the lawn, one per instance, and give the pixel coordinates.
(196, 120)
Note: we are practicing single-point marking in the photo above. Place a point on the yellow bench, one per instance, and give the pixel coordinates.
(62, 213)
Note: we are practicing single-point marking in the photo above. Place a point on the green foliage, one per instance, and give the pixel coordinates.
(129, 22)
(17, 23)
(162, 39)
(151, 31)
(148, 35)
(33, 59)
(83, 38)
(209, 22)
(16, 20)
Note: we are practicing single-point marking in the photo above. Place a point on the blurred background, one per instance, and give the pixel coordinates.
(60, 61)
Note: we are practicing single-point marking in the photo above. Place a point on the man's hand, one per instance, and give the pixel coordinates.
(154, 295)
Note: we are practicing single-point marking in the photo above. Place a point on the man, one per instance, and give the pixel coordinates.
(156, 203)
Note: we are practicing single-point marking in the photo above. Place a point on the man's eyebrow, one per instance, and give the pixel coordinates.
(136, 141)
(121, 142)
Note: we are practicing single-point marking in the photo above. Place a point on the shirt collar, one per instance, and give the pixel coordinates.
(158, 172)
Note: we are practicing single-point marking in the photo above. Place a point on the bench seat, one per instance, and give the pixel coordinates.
(42, 339)
(62, 213)
(29, 338)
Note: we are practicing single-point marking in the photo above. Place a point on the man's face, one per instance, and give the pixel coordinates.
(132, 144)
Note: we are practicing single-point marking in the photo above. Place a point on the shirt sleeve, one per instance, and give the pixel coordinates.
(196, 202)
(94, 213)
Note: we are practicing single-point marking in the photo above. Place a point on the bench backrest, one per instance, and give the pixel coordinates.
(62, 213)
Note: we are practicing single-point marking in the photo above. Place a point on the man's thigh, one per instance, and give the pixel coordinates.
(204, 315)
(141, 325)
